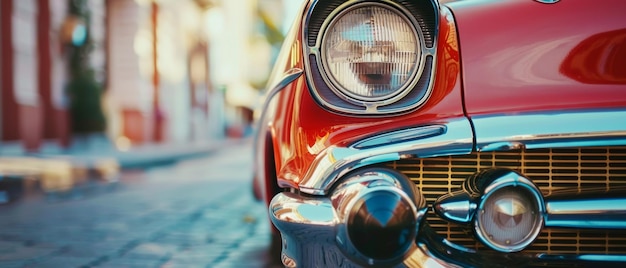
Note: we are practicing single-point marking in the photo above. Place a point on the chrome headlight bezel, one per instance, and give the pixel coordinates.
(412, 94)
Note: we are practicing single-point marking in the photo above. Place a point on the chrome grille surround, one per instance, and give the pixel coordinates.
(551, 169)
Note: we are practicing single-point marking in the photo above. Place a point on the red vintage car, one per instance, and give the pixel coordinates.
(414, 133)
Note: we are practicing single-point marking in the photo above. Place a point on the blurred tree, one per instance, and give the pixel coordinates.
(84, 91)
(274, 37)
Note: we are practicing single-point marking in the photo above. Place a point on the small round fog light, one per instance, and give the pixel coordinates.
(509, 218)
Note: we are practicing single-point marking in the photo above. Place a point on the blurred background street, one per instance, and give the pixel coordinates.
(125, 130)
(195, 213)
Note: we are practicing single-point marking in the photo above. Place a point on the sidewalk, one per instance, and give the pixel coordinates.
(88, 161)
(209, 219)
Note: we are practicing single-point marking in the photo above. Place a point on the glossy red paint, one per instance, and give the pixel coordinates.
(524, 56)
(599, 59)
(302, 129)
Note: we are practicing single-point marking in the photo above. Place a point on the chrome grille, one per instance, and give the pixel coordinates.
(550, 169)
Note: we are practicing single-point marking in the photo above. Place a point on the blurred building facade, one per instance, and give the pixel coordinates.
(159, 85)
(170, 70)
(33, 71)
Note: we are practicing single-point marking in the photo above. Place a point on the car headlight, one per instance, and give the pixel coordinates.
(371, 52)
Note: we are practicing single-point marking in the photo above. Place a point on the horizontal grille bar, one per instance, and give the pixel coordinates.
(550, 169)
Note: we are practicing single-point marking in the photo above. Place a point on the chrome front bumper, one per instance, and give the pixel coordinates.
(308, 229)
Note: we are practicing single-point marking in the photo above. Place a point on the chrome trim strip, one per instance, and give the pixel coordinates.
(602, 258)
(400, 136)
(600, 213)
(458, 207)
(550, 130)
(289, 76)
(548, 1)
(335, 161)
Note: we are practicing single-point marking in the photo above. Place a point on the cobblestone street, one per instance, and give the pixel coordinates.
(196, 213)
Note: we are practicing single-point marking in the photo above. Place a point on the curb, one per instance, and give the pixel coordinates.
(59, 175)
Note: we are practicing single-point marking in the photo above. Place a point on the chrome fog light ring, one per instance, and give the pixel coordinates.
(378, 216)
(382, 224)
(510, 214)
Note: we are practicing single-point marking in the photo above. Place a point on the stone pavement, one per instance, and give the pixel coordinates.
(198, 213)
(205, 237)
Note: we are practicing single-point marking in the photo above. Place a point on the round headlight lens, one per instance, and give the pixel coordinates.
(509, 219)
(371, 52)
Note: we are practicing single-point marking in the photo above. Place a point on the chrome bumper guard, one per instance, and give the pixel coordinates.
(371, 217)
(308, 229)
